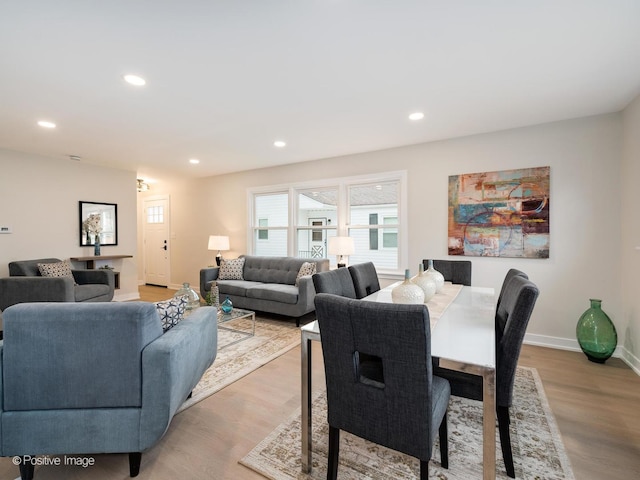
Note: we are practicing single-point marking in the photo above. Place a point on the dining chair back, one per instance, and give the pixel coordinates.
(403, 407)
(335, 282)
(454, 271)
(365, 279)
(511, 320)
(513, 272)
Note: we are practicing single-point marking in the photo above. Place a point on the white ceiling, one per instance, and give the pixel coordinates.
(330, 77)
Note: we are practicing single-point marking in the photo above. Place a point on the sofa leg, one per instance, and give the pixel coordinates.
(134, 463)
(26, 469)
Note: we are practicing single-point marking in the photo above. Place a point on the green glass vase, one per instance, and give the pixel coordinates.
(596, 333)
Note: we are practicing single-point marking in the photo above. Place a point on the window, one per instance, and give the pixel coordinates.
(390, 235)
(155, 214)
(298, 220)
(270, 224)
(374, 224)
(263, 234)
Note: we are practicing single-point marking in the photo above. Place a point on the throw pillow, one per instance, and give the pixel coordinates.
(231, 269)
(307, 268)
(57, 269)
(171, 311)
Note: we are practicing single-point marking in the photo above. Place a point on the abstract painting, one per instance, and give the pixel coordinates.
(500, 214)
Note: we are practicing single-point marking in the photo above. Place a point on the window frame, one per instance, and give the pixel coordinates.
(342, 225)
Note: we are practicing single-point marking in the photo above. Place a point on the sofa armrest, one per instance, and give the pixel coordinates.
(100, 276)
(207, 275)
(15, 290)
(306, 291)
(172, 365)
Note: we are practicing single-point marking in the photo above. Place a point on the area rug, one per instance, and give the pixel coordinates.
(537, 447)
(233, 361)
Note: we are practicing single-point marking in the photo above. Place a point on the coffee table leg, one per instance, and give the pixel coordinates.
(305, 347)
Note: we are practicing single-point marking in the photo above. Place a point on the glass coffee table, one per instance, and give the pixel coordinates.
(237, 314)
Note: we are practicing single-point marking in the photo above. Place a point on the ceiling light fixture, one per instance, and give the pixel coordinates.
(279, 144)
(142, 185)
(416, 116)
(194, 161)
(46, 124)
(135, 80)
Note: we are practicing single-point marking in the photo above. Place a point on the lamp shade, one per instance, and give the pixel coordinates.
(218, 242)
(341, 246)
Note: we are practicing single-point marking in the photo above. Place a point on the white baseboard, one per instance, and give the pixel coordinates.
(126, 297)
(574, 346)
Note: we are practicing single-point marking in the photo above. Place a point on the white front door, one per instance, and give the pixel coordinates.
(156, 241)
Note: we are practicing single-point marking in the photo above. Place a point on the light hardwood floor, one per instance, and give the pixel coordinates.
(596, 407)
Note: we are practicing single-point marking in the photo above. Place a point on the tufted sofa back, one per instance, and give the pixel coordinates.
(277, 269)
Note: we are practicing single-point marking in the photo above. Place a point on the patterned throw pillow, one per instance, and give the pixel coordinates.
(171, 311)
(231, 269)
(307, 268)
(58, 269)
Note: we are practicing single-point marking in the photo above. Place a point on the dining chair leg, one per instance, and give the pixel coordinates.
(334, 451)
(505, 440)
(444, 442)
(424, 469)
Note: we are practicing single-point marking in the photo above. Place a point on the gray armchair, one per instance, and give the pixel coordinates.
(379, 378)
(26, 284)
(84, 378)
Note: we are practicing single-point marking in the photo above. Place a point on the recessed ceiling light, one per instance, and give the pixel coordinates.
(135, 80)
(46, 124)
(416, 116)
(279, 144)
(194, 161)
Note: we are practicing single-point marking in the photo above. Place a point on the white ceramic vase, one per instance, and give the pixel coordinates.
(426, 283)
(407, 291)
(437, 277)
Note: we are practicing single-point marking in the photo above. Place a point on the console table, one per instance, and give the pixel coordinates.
(91, 265)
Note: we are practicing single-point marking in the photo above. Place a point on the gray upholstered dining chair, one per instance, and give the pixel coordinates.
(454, 271)
(365, 279)
(512, 318)
(398, 403)
(513, 272)
(336, 282)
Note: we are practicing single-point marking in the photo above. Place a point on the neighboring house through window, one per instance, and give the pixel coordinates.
(297, 220)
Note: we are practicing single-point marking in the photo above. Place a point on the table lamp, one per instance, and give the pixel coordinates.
(218, 242)
(341, 247)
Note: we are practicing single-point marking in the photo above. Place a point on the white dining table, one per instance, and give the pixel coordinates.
(464, 340)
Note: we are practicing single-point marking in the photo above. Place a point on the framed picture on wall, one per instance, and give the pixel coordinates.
(98, 220)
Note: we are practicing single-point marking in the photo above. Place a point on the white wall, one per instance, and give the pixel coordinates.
(39, 201)
(629, 325)
(585, 159)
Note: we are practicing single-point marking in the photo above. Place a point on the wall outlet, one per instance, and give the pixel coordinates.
(5, 229)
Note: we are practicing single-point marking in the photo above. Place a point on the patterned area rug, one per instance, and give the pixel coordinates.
(537, 447)
(233, 361)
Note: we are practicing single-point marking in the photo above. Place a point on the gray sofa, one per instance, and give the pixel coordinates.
(25, 284)
(268, 285)
(87, 378)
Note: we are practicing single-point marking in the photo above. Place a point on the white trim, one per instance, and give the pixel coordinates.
(572, 344)
(126, 297)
